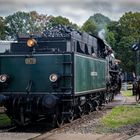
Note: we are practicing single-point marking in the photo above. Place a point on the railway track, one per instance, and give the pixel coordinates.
(41, 130)
(67, 126)
(8, 129)
(93, 116)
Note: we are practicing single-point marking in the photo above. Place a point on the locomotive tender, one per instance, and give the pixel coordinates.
(59, 74)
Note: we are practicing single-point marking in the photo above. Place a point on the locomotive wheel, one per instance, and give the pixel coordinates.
(80, 112)
(19, 119)
(71, 117)
(58, 120)
(95, 104)
(34, 118)
(89, 108)
(110, 97)
(22, 117)
(107, 98)
(101, 106)
(97, 108)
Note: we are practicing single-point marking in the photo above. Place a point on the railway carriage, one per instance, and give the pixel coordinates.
(59, 74)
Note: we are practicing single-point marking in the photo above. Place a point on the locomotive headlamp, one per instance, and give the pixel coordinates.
(31, 42)
(3, 78)
(53, 77)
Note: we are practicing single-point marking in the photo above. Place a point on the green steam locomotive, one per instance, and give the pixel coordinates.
(59, 74)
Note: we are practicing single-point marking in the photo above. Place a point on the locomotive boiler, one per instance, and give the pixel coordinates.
(59, 74)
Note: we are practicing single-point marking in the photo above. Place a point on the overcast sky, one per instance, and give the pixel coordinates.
(77, 11)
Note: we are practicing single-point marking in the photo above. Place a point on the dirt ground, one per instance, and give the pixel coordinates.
(70, 135)
(85, 137)
(85, 128)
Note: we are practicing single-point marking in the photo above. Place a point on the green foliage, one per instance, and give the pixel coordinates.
(121, 116)
(59, 20)
(127, 93)
(112, 34)
(19, 22)
(4, 120)
(129, 34)
(96, 23)
(2, 29)
(32, 22)
(110, 38)
(40, 21)
(125, 53)
(90, 27)
(130, 24)
(22, 23)
(125, 32)
(100, 20)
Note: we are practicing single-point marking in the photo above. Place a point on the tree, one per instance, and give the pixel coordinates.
(110, 38)
(96, 25)
(41, 21)
(90, 27)
(112, 34)
(2, 29)
(126, 32)
(125, 53)
(100, 20)
(130, 24)
(59, 20)
(23, 23)
(19, 22)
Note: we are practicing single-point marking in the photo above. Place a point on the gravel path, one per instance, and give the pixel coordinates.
(86, 128)
(17, 136)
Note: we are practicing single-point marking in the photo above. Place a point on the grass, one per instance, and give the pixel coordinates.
(4, 120)
(127, 93)
(122, 116)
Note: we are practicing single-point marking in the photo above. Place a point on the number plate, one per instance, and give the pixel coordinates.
(30, 61)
